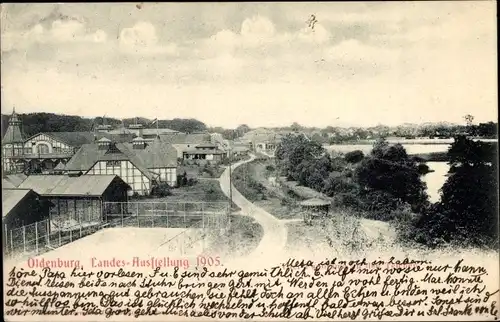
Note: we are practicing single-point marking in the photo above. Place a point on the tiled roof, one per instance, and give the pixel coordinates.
(206, 145)
(156, 154)
(184, 138)
(74, 139)
(60, 166)
(61, 185)
(7, 184)
(212, 151)
(11, 198)
(13, 133)
(77, 139)
(262, 135)
(15, 179)
(160, 131)
(89, 154)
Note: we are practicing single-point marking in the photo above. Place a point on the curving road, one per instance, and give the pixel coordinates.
(272, 244)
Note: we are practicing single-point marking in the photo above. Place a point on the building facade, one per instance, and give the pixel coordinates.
(140, 164)
(13, 146)
(77, 200)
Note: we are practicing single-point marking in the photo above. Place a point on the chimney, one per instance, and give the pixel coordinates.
(138, 129)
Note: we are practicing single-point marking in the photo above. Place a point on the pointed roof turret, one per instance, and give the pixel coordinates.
(13, 133)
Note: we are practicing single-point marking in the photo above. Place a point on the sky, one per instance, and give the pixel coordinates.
(261, 64)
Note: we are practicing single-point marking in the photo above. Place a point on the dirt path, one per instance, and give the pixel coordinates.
(270, 248)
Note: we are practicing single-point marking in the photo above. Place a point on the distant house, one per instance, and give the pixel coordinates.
(78, 199)
(22, 207)
(206, 152)
(184, 142)
(138, 163)
(240, 150)
(138, 130)
(222, 144)
(263, 140)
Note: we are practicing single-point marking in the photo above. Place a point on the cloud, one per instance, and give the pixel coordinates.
(142, 39)
(353, 51)
(60, 32)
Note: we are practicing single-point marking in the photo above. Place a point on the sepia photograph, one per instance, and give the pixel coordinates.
(250, 161)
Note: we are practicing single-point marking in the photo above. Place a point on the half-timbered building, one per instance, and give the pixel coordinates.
(141, 164)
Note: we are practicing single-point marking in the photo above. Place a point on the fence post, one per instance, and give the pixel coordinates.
(152, 216)
(122, 215)
(203, 215)
(36, 237)
(166, 211)
(24, 239)
(71, 235)
(47, 230)
(11, 243)
(6, 234)
(59, 236)
(137, 214)
(184, 204)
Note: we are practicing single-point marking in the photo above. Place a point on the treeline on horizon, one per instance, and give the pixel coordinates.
(34, 123)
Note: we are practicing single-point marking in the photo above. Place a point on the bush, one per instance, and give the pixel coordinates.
(338, 183)
(270, 168)
(423, 169)
(211, 194)
(347, 200)
(161, 190)
(354, 156)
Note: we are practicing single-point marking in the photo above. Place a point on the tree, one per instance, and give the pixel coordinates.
(294, 150)
(354, 156)
(296, 127)
(389, 170)
(468, 209)
(242, 129)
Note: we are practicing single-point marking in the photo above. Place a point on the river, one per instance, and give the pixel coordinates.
(434, 180)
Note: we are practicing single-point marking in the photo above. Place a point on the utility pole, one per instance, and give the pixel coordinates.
(230, 180)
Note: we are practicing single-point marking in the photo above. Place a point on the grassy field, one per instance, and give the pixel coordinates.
(339, 234)
(240, 239)
(251, 180)
(197, 171)
(201, 191)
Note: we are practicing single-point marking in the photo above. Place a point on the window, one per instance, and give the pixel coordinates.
(42, 148)
(112, 164)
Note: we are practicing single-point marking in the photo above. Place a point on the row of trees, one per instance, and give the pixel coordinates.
(48, 122)
(387, 185)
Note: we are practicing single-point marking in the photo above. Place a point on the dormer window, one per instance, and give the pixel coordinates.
(138, 143)
(104, 143)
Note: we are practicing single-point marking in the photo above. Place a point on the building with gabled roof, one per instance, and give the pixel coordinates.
(139, 163)
(41, 152)
(22, 207)
(184, 142)
(78, 200)
(13, 145)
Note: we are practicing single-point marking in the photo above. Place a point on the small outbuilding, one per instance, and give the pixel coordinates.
(78, 200)
(314, 208)
(22, 207)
